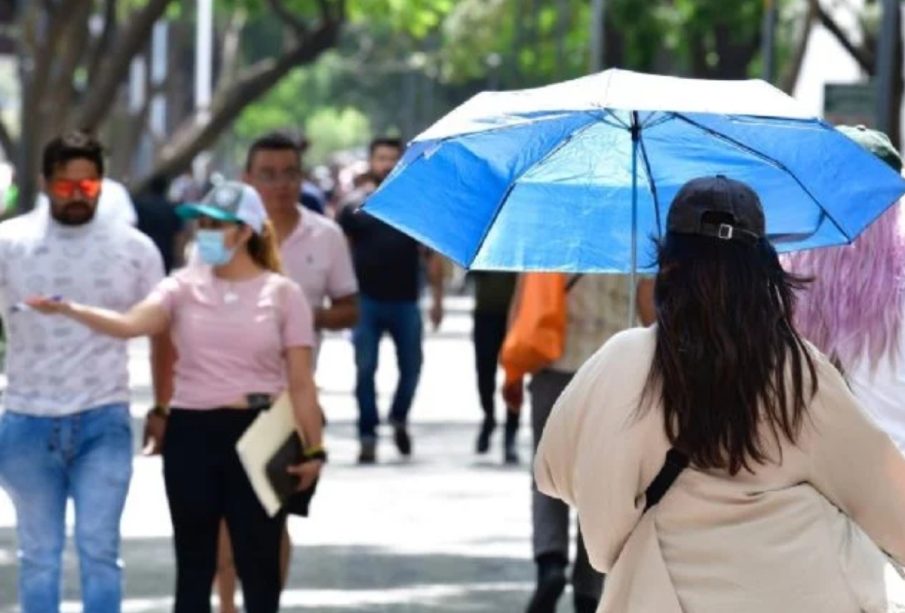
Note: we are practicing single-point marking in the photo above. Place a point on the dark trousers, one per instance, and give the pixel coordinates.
(488, 335)
(551, 516)
(402, 321)
(205, 482)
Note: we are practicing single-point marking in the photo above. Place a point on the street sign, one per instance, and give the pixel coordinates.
(850, 104)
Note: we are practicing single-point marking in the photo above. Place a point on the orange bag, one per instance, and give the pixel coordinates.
(537, 334)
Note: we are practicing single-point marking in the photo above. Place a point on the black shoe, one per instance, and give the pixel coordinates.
(368, 453)
(510, 447)
(402, 439)
(551, 581)
(487, 429)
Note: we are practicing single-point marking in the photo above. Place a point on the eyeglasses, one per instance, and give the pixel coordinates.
(65, 188)
(272, 178)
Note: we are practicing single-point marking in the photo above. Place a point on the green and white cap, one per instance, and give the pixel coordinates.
(229, 201)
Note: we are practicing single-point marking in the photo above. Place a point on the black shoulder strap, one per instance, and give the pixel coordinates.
(572, 281)
(675, 463)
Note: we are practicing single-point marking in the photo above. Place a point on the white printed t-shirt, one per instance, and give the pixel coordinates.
(56, 366)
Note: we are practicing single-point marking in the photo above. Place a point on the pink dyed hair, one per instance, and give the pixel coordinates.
(853, 310)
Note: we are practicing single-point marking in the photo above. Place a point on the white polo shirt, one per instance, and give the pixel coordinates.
(317, 257)
(55, 366)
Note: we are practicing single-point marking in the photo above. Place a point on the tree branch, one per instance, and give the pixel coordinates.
(10, 147)
(72, 48)
(102, 47)
(289, 18)
(865, 58)
(44, 47)
(789, 79)
(115, 66)
(255, 81)
(232, 39)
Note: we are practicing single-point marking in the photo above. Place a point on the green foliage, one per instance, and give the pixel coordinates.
(403, 63)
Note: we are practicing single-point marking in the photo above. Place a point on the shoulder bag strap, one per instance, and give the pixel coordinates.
(675, 463)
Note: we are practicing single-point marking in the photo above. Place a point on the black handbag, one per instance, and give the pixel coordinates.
(285, 484)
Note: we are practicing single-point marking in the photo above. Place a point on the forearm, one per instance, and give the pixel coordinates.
(103, 321)
(308, 418)
(435, 277)
(163, 356)
(336, 317)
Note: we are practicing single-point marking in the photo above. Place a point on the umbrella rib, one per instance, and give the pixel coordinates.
(650, 180)
(514, 182)
(773, 161)
(619, 122)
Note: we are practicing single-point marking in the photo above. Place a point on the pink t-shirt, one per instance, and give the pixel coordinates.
(231, 337)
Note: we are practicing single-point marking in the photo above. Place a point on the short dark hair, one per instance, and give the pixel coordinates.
(275, 141)
(74, 145)
(386, 141)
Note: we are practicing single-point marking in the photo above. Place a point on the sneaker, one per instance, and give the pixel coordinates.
(487, 428)
(368, 453)
(551, 582)
(402, 439)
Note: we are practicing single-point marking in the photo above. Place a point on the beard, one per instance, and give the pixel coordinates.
(73, 213)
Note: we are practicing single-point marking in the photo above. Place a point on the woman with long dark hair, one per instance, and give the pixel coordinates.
(718, 461)
(244, 334)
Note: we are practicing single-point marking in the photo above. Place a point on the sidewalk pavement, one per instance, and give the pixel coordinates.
(444, 531)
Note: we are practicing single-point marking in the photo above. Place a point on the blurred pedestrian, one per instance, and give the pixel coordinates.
(388, 264)
(854, 310)
(717, 461)
(596, 308)
(309, 194)
(158, 220)
(493, 295)
(239, 327)
(66, 431)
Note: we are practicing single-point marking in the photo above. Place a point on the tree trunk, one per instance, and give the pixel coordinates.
(229, 101)
(789, 78)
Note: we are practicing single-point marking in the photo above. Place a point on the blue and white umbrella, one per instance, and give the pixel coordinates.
(576, 176)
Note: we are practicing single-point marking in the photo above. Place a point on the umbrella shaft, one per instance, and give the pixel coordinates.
(633, 283)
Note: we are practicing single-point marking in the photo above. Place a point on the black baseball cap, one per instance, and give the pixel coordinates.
(718, 207)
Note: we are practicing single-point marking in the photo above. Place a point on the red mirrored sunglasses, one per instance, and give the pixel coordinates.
(65, 188)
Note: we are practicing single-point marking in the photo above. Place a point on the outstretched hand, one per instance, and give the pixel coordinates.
(47, 305)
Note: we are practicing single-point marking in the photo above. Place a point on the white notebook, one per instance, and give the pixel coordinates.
(260, 442)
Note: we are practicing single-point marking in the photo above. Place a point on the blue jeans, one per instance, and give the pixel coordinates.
(43, 462)
(402, 320)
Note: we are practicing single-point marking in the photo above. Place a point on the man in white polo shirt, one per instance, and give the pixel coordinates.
(65, 433)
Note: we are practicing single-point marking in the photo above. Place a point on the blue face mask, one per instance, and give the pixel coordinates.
(212, 249)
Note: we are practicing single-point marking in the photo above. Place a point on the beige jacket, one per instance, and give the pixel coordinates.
(804, 534)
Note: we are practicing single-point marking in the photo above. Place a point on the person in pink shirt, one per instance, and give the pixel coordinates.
(315, 255)
(243, 333)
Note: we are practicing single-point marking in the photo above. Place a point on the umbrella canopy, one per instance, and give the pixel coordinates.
(577, 176)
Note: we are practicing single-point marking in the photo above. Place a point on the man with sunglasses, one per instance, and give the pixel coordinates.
(65, 432)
